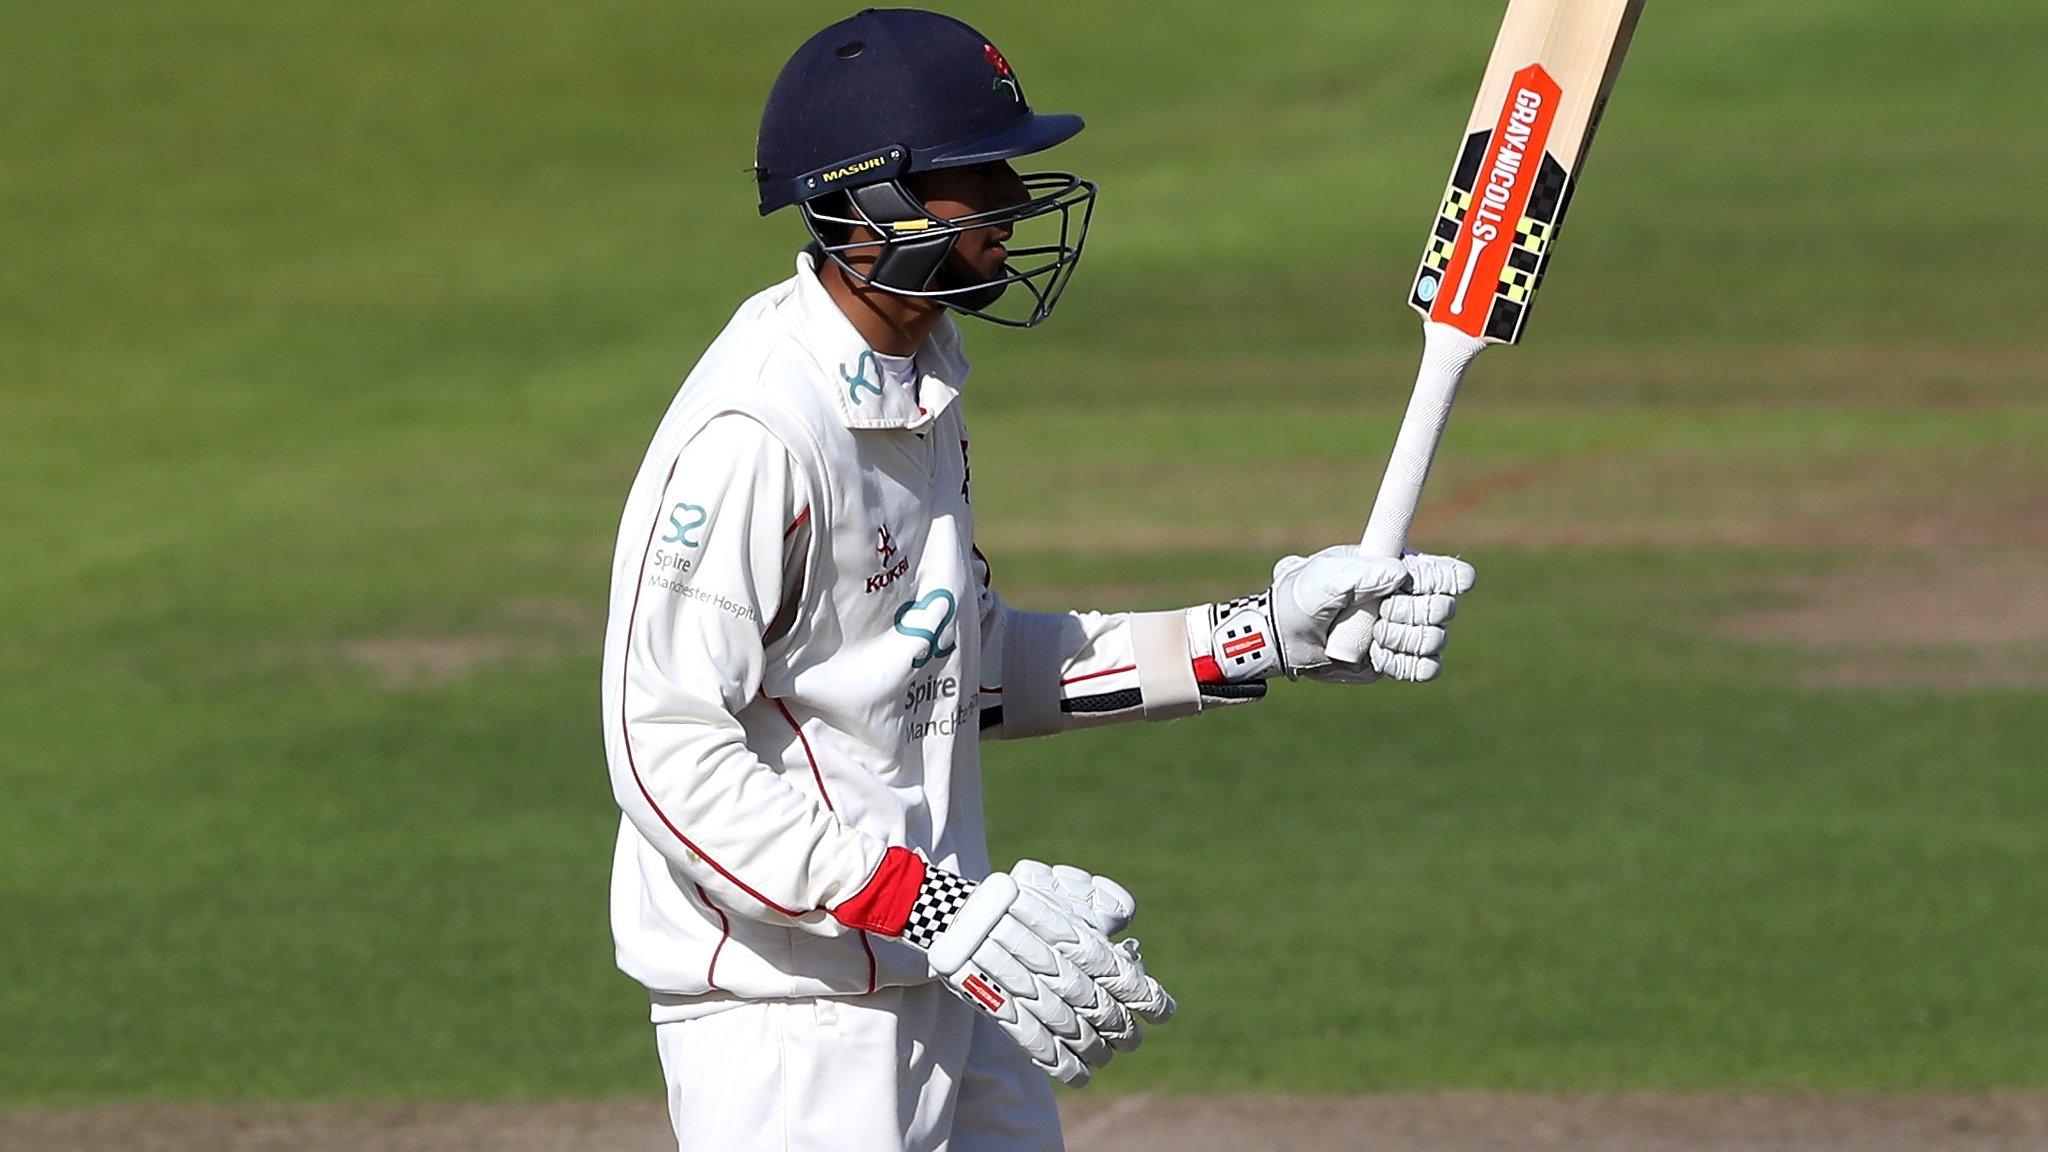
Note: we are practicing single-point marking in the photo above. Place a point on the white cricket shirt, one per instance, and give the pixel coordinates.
(803, 652)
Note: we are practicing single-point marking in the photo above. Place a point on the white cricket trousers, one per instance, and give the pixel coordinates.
(900, 1070)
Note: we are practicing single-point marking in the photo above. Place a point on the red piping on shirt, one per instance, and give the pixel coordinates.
(798, 522)
(827, 796)
(1093, 675)
(626, 730)
(724, 934)
(805, 741)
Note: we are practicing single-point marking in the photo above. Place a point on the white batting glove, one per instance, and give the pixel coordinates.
(1286, 628)
(1106, 906)
(1418, 596)
(1048, 976)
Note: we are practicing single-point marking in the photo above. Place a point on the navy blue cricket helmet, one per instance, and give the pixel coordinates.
(892, 92)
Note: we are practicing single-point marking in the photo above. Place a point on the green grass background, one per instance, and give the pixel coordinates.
(330, 323)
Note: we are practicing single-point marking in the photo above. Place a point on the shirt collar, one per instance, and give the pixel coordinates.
(852, 377)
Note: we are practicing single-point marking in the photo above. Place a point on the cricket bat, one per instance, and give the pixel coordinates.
(1545, 88)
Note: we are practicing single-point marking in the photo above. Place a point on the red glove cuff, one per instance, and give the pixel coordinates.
(882, 906)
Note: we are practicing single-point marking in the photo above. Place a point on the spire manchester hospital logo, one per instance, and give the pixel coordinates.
(1005, 76)
(929, 620)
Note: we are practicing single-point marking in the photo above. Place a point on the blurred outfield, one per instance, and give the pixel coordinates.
(330, 336)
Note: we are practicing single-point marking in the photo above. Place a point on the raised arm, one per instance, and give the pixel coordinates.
(1060, 671)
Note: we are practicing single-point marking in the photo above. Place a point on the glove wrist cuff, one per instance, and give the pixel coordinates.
(1236, 639)
(883, 904)
(939, 902)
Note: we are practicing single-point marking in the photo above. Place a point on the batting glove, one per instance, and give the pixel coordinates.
(1034, 959)
(1417, 596)
(1108, 907)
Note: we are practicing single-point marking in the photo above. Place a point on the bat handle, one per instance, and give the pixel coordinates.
(1446, 353)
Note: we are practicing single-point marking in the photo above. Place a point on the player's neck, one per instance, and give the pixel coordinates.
(892, 325)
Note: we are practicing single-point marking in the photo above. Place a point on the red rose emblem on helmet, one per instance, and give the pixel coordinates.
(1004, 76)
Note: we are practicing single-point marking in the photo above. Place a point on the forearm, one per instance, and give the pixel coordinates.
(1062, 671)
(728, 821)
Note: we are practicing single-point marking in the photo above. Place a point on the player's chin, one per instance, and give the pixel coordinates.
(979, 275)
(982, 265)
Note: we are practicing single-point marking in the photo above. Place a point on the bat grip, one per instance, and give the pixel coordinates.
(1446, 353)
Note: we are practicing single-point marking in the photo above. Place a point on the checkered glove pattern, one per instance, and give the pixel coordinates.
(938, 902)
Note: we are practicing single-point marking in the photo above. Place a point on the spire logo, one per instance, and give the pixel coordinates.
(929, 620)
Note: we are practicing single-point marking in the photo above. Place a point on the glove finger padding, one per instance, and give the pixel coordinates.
(1056, 1057)
(1034, 1014)
(1402, 666)
(1127, 981)
(1033, 962)
(978, 987)
(1429, 575)
(1101, 903)
(1156, 1006)
(1404, 609)
(1067, 994)
(1412, 639)
(1093, 964)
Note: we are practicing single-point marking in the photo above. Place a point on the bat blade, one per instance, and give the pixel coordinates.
(1539, 104)
(1546, 85)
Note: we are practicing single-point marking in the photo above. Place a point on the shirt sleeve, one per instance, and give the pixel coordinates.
(724, 554)
(1056, 672)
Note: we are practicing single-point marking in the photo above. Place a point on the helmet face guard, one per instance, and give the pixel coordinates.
(911, 246)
